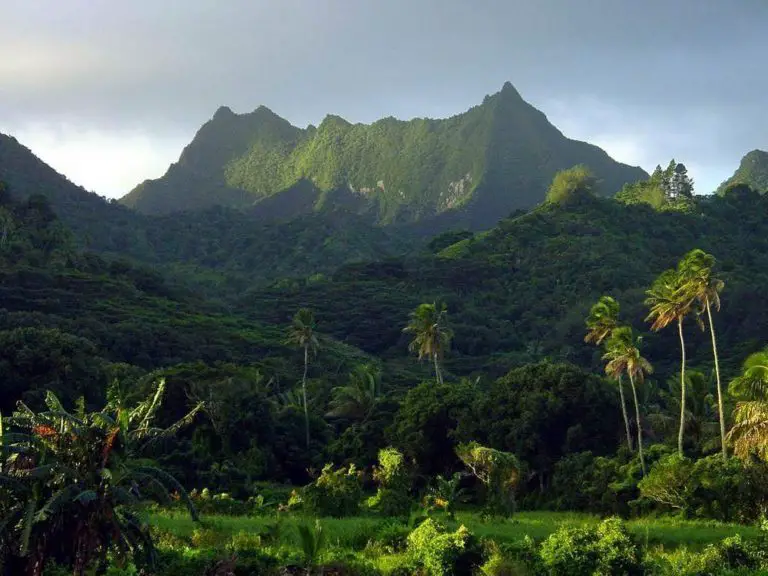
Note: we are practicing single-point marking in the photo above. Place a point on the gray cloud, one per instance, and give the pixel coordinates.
(655, 78)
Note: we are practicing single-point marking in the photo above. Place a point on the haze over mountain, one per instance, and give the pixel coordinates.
(494, 158)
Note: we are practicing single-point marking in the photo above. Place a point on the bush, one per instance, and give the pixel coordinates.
(591, 551)
(392, 497)
(443, 553)
(335, 493)
(713, 488)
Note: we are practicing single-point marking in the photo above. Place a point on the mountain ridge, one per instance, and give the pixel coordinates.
(752, 171)
(493, 158)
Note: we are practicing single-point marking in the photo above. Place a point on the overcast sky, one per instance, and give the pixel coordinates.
(109, 92)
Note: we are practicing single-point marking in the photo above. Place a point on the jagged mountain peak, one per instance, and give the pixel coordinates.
(486, 161)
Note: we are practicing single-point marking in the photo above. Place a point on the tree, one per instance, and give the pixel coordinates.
(750, 429)
(357, 399)
(431, 336)
(602, 320)
(677, 184)
(498, 471)
(668, 303)
(302, 334)
(71, 482)
(570, 184)
(623, 355)
(699, 283)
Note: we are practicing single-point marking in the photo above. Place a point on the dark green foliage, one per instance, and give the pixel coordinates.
(542, 412)
(336, 492)
(710, 487)
(443, 553)
(71, 483)
(604, 550)
(425, 424)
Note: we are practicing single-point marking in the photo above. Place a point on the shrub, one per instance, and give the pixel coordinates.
(335, 493)
(392, 497)
(710, 487)
(443, 553)
(498, 471)
(591, 551)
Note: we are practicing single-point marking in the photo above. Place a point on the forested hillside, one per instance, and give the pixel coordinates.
(486, 162)
(564, 359)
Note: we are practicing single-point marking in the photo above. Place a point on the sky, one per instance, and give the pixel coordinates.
(108, 93)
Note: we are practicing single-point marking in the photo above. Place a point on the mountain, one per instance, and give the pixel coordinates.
(217, 248)
(482, 164)
(752, 171)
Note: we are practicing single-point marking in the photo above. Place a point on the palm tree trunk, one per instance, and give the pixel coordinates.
(438, 374)
(624, 413)
(639, 424)
(682, 387)
(304, 392)
(720, 410)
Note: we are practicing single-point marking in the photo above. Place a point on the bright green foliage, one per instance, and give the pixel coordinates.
(393, 495)
(498, 471)
(336, 492)
(666, 189)
(605, 550)
(312, 542)
(571, 185)
(443, 553)
(72, 482)
(752, 172)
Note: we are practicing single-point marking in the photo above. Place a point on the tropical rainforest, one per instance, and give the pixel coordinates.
(316, 351)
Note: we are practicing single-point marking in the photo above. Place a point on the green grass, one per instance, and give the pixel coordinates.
(355, 532)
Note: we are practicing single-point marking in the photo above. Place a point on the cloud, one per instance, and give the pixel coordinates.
(650, 79)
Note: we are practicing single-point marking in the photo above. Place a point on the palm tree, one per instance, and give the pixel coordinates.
(699, 283)
(357, 399)
(750, 429)
(668, 303)
(602, 320)
(431, 336)
(623, 356)
(302, 334)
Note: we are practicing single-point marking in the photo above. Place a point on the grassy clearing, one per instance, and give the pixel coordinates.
(354, 533)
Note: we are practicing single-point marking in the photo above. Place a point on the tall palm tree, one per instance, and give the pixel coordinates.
(668, 303)
(431, 335)
(602, 320)
(357, 399)
(302, 334)
(750, 429)
(623, 356)
(699, 283)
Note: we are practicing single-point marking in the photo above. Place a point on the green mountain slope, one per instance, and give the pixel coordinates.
(486, 162)
(217, 248)
(752, 171)
(73, 320)
(520, 292)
